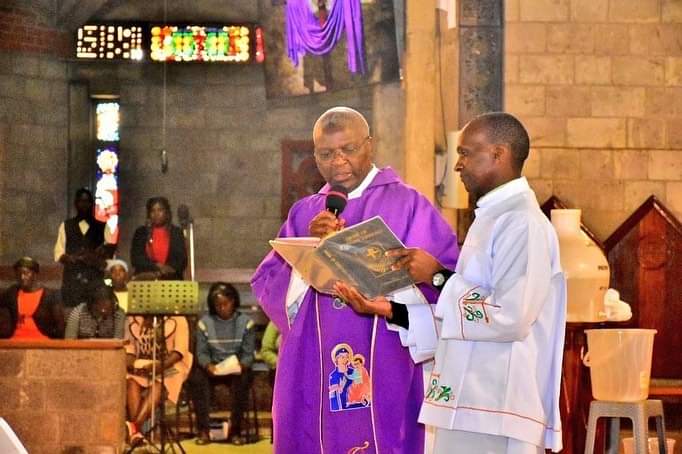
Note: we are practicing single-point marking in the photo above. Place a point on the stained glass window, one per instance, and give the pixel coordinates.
(107, 121)
(106, 175)
(110, 42)
(260, 45)
(229, 43)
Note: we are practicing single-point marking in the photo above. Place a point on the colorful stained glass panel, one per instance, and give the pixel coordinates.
(229, 43)
(106, 175)
(107, 121)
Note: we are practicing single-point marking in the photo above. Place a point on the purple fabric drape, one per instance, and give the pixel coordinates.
(306, 35)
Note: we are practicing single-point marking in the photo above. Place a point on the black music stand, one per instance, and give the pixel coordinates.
(162, 299)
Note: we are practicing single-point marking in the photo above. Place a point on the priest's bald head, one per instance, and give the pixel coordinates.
(492, 149)
(343, 147)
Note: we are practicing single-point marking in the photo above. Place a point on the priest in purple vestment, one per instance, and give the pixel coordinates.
(349, 382)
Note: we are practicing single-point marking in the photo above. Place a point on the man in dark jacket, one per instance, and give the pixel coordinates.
(28, 310)
(81, 249)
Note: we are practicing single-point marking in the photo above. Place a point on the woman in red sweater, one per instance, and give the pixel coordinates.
(158, 247)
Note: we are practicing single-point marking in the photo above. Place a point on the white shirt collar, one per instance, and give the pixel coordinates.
(357, 192)
(502, 192)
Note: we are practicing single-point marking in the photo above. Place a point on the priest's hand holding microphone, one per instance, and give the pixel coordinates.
(327, 222)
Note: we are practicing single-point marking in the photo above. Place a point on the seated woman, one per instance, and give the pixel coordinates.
(99, 318)
(28, 310)
(158, 248)
(146, 343)
(226, 343)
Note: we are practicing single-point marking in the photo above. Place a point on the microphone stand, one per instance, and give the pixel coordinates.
(191, 249)
(187, 225)
(167, 438)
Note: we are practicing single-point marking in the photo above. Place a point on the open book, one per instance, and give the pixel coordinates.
(355, 255)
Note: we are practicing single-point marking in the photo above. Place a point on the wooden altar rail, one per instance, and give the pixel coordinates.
(53, 273)
(61, 344)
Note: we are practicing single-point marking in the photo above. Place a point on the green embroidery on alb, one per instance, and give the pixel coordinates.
(438, 392)
(473, 314)
(473, 296)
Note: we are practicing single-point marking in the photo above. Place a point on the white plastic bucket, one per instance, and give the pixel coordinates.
(620, 363)
(629, 445)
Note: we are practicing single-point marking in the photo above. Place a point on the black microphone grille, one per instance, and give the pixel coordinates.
(337, 197)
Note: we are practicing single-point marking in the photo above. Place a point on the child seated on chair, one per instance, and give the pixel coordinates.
(225, 345)
(142, 397)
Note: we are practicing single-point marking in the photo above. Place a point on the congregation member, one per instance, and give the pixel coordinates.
(27, 309)
(99, 318)
(158, 247)
(117, 273)
(496, 380)
(325, 345)
(269, 352)
(225, 347)
(270, 345)
(146, 345)
(81, 247)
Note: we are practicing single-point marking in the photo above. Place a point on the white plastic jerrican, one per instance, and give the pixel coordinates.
(585, 267)
(629, 445)
(620, 363)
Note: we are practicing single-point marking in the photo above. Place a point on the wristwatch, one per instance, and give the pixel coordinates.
(439, 279)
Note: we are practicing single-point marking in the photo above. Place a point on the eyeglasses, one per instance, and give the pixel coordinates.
(347, 151)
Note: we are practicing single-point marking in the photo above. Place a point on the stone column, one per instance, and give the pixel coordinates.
(420, 96)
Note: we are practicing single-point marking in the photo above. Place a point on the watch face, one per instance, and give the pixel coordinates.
(438, 279)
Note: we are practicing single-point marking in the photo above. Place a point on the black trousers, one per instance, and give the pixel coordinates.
(201, 386)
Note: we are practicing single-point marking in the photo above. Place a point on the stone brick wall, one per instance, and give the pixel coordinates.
(33, 130)
(223, 138)
(223, 142)
(64, 400)
(598, 83)
(30, 27)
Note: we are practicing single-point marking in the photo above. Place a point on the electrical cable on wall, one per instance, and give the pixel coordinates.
(440, 184)
(164, 153)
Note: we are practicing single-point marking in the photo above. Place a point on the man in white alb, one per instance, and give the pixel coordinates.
(495, 384)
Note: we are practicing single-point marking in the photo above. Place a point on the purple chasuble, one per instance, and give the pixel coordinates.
(344, 381)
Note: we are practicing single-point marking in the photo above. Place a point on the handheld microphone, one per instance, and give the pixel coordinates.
(337, 197)
(184, 217)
